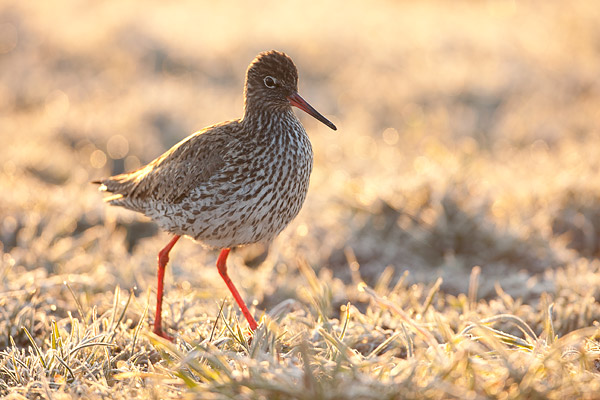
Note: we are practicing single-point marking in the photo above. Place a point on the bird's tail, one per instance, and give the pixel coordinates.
(118, 185)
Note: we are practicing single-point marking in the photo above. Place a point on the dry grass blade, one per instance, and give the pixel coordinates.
(139, 325)
(432, 292)
(385, 343)
(212, 332)
(474, 286)
(346, 319)
(341, 348)
(90, 343)
(516, 321)
(77, 303)
(410, 346)
(55, 340)
(113, 328)
(64, 364)
(503, 337)
(310, 381)
(35, 347)
(424, 334)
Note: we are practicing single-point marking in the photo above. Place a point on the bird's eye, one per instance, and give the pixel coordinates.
(270, 82)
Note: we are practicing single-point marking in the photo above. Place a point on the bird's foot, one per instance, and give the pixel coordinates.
(159, 332)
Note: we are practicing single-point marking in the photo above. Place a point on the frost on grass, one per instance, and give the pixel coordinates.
(410, 342)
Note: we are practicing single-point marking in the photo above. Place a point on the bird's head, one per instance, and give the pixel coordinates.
(272, 82)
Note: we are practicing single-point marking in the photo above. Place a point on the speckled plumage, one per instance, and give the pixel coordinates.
(236, 182)
(226, 185)
(233, 183)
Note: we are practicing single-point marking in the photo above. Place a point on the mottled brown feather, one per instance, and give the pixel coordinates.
(185, 166)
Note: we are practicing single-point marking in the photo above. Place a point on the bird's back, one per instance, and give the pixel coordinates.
(170, 177)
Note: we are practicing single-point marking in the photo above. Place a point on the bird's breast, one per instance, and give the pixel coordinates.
(258, 193)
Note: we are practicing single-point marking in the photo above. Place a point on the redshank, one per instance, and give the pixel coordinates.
(233, 183)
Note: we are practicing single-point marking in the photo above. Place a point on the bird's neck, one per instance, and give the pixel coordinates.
(259, 121)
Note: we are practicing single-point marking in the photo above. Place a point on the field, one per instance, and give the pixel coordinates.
(448, 246)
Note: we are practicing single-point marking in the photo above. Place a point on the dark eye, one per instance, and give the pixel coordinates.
(270, 82)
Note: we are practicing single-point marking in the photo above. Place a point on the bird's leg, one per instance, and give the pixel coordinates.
(163, 259)
(222, 267)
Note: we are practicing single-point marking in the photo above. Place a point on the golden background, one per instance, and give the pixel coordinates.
(468, 135)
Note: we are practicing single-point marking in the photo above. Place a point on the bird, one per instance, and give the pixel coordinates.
(233, 183)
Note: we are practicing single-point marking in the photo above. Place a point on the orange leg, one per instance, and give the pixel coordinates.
(163, 259)
(222, 267)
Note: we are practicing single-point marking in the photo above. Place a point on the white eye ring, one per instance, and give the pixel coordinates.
(270, 82)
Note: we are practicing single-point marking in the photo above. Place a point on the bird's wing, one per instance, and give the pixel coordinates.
(174, 174)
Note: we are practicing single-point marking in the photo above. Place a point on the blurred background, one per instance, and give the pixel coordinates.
(468, 135)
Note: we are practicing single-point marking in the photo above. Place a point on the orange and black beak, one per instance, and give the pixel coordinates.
(296, 100)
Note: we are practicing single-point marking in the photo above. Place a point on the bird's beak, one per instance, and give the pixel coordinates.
(296, 100)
